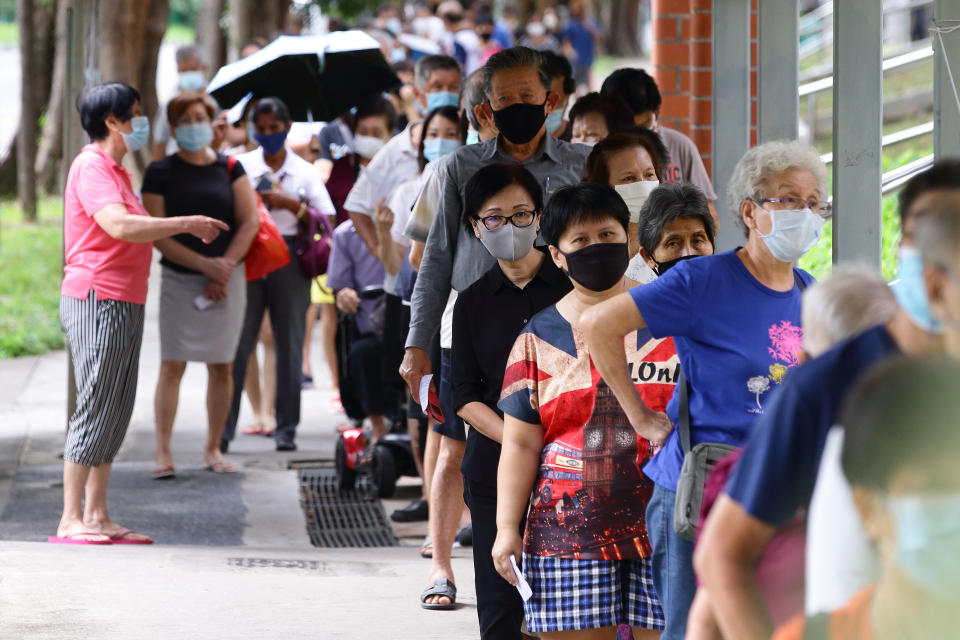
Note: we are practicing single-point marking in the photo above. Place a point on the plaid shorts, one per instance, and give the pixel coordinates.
(570, 594)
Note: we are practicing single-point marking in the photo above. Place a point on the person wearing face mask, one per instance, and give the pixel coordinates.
(733, 355)
(107, 252)
(191, 78)
(640, 92)
(594, 116)
(371, 124)
(503, 205)
(288, 186)
(569, 452)
(437, 84)
(778, 470)
(562, 84)
(676, 226)
(518, 101)
(906, 490)
(632, 163)
(443, 134)
(196, 178)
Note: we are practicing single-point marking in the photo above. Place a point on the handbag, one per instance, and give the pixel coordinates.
(268, 251)
(313, 243)
(697, 462)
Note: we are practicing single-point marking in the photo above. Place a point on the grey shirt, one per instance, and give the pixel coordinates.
(452, 256)
(685, 165)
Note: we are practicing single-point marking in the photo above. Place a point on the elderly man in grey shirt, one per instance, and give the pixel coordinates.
(518, 99)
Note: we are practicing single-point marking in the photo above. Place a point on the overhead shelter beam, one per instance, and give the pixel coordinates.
(777, 70)
(731, 104)
(946, 117)
(857, 130)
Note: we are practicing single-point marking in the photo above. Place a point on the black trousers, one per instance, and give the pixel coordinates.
(499, 606)
(365, 366)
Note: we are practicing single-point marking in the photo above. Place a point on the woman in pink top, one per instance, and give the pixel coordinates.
(107, 244)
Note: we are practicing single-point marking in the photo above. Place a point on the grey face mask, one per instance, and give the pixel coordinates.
(508, 242)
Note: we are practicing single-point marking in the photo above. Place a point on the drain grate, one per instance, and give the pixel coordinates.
(343, 518)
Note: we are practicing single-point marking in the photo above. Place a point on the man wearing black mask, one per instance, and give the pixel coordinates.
(518, 100)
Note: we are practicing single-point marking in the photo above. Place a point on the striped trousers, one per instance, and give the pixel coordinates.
(104, 338)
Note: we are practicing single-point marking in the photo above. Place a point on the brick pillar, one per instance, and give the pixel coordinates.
(682, 61)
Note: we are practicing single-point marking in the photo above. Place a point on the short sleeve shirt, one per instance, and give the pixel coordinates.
(189, 189)
(685, 164)
(736, 339)
(401, 204)
(114, 269)
(353, 266)
(778, 469)
(590, 493)
(295, 174)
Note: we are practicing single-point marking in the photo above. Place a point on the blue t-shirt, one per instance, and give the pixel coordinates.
(581, 40)
(778, 469)
(736, 340)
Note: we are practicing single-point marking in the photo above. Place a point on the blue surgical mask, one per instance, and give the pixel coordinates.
(271, 142)
(910, 290)
(794, 232)
(437, 147)
(473, 137)
(928, 540)
(192, 81)
(193, 137)
(553, 121)
(442, 99)
(137, 139)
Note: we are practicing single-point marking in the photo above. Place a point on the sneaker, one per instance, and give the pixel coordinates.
(286, 444)
(414, 512)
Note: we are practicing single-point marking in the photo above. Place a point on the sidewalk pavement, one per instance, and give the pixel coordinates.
(232, 558)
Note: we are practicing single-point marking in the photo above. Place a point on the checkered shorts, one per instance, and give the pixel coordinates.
(571, 594)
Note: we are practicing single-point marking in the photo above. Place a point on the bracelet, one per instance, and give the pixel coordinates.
(302, 210)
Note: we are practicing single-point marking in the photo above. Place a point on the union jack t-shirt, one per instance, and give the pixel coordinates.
(590, 495)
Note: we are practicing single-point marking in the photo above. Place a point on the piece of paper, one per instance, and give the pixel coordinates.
(424, 391)
(522, 585)
(203, 303)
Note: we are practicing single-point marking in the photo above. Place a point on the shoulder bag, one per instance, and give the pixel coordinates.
(268, 251)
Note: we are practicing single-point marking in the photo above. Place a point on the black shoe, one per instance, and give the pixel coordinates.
(285, 444)
(414, 512)
(306, 382)
(224, 445)
(465, 536)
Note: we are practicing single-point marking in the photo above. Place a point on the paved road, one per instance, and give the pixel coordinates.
(232, 558)
(10, 96)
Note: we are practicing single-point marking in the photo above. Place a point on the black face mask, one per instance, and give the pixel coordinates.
(520, 123)
(598, 266)
(663, 267)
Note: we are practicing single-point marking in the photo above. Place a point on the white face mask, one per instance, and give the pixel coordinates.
(635, 194)
(367, 146)
(794, 232)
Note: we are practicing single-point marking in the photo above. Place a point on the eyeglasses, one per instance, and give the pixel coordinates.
(520, 220)
(820, 207)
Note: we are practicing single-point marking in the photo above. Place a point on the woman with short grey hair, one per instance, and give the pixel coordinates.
(735, 320)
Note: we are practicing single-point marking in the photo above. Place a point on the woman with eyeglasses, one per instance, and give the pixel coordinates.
(735, 318)
(571, 462)
(502, 209)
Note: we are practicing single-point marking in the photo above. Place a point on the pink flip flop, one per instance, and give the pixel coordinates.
(72, 538)
(121, 538)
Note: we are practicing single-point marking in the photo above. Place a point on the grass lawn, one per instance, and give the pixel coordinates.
(9, 34)
(31, 263)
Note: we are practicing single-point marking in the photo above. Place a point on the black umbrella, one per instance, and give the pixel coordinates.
(318, 77)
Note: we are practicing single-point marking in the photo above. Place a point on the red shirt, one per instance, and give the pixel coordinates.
(115, 269)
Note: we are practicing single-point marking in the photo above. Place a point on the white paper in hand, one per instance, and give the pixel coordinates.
(522, 585)
(423, 393)
(202, 303)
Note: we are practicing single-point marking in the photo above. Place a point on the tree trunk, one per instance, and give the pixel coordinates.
(44, 44)
(209, 33)
(254, 19)
(155, 27)
(623, 27)
(51, 142)
(29, 113)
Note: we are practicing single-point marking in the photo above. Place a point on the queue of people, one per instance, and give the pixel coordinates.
(639, 430)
